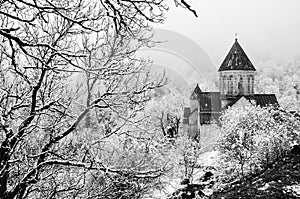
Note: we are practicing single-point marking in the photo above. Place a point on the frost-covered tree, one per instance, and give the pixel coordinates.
(60, 139)
(165, 112)
(253, 137)
(282, 80)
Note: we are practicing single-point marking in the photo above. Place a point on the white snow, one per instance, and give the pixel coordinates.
(209, 158)
(295, 189)
(263, 188)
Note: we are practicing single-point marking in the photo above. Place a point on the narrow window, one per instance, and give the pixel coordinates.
(230, 86)
(249, 84)
(240, 86)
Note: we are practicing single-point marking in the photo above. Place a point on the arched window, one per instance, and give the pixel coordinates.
(241, 86)
(250, 84)
(223, 85)
(230, 84)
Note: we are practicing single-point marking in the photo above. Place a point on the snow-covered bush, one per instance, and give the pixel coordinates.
(188, 151)
(253, 138)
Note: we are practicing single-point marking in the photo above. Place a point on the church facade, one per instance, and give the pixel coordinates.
(236, 86)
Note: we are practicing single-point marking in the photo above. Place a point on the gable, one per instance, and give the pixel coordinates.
(195, 93)
(262, 100)
(241, 102)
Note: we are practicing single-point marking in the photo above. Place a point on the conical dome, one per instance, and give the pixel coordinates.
(236, 59)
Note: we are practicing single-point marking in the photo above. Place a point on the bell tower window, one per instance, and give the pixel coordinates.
(240, 86)
(230, 84)
(251, 84)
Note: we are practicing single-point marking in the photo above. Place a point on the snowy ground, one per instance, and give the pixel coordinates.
(207, 159)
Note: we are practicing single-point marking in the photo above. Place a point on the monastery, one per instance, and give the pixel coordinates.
(236, 87)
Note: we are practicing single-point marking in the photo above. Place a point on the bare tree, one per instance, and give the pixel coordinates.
(47, 150)
(166, 110)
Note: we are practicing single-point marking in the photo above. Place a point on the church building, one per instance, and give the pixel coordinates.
(236, 86)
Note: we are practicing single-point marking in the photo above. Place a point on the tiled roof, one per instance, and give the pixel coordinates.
(195, 93)
(236, 59)
(261, 100)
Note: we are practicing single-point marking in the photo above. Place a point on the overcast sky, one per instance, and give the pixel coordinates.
(267, 29)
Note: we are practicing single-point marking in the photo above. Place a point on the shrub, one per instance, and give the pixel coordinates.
(254, 138)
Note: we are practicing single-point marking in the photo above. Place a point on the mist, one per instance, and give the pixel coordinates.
(267, 30)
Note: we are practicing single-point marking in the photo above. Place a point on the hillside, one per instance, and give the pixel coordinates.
(280, 181)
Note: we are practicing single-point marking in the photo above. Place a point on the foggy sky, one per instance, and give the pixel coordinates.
(267, 29)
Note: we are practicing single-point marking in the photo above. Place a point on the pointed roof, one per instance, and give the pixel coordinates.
(196, 92)
(236, 59)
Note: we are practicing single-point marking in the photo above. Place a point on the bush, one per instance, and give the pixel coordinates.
(254, 138)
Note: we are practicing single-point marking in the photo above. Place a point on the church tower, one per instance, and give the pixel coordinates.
(236, 75)
(191, 115)
(236, 84)
(194, 98)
